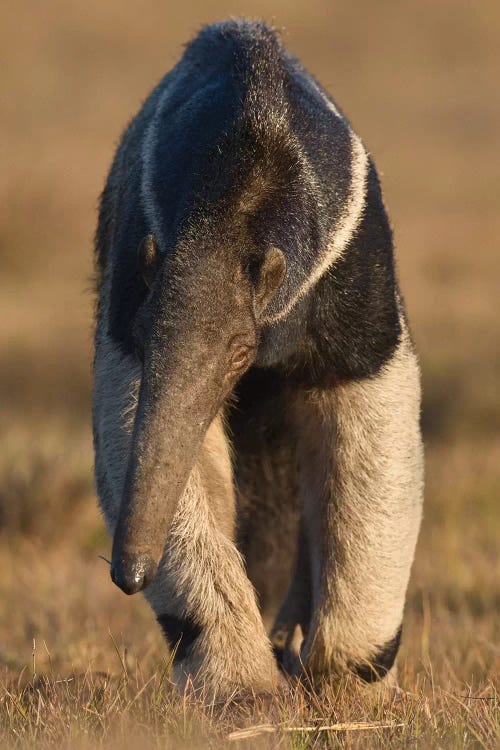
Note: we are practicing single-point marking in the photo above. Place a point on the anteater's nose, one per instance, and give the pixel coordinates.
(133, 574)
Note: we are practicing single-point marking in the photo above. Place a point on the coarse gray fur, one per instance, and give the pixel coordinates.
(256, 391)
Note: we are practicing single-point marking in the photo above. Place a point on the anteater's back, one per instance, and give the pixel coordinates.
(238, 127)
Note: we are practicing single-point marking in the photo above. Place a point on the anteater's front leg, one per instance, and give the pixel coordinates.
(201, 594)
(361, 473)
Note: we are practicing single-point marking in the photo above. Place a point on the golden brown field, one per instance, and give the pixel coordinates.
(80, 664)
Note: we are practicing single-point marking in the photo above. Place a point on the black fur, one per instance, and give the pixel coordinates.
(180, 634)
(381, 662)
(248, 146)
(264, 445)
(353, 326)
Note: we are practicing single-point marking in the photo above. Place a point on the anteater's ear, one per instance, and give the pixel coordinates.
(270, 278)
(148, 259)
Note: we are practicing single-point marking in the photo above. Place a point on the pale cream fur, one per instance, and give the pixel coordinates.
(204, 572)
(362, 479)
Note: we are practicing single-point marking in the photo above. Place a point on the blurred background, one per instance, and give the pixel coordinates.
(419, 82)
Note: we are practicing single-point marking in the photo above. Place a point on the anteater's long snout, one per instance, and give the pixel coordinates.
(203, 339)
(132, 573)
(177, 403)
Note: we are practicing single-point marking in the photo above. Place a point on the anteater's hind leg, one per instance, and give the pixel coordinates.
(292, 622)
(266, 486)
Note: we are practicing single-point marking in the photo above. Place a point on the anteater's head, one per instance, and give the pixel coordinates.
(196, 333)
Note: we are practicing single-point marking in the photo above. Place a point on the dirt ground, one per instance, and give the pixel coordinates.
(79, 663)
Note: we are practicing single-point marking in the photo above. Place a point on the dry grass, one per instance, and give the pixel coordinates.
(99, 710)
(99, 675)
(420, 82)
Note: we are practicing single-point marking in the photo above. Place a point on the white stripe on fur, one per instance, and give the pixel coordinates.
(331, 106)
(151, 208)
(346, 226)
